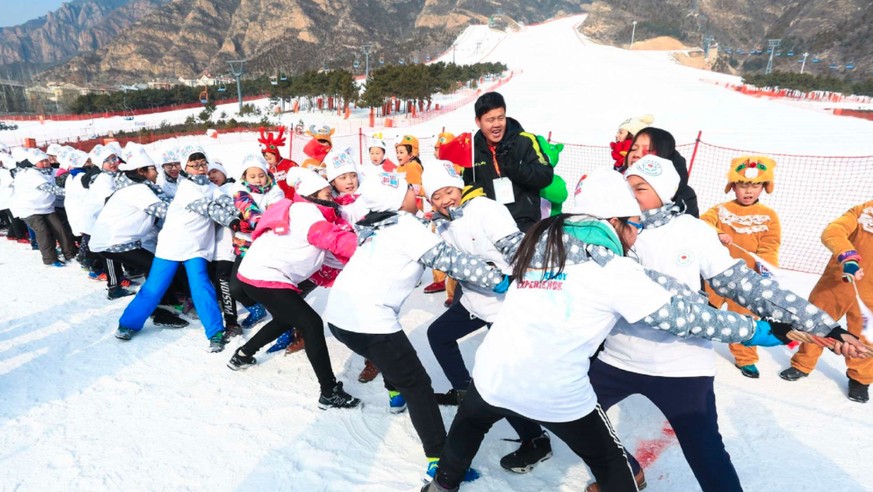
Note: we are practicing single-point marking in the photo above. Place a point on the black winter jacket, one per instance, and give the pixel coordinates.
(520, 159)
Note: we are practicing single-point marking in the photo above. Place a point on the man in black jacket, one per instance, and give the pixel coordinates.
(507, 162)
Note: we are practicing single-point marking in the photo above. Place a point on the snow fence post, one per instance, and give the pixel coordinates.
(694, 153)
(361, 146)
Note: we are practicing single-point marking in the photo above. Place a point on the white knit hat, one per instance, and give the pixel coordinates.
(305, 181)
(605, 194)
(216, 165)
(383, 192)
(129, 149)
(116, 149)
(186, 151)
(36, 155)
(255, 160)
(439, 174)
(634, 125)
(337, 163)
(135, 158)
(100, 153)
(377, 141)
(72, 158)
(169, 152)
(53, 149)
(659, 173)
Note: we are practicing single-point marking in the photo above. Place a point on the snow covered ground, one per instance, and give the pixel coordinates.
(80, 410)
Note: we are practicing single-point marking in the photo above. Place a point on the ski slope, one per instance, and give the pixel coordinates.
(80, 410)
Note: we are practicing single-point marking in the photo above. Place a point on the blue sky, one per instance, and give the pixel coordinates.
(14, 12)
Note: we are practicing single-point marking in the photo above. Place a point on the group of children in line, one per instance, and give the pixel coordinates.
(575, 325)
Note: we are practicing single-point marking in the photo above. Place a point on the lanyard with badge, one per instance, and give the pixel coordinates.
(503, 193)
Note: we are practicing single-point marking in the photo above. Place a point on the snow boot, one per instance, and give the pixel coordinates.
(432, 468)
(240, 360)
(858, 392)
(434, 486)
(337, 398)
(296, 346)
(528, 455)
(217, 342)
(792, 374)
(161, 317)
(396, 402)
(750, 371)
(640, 478)
(435, 287)
(450, 398)
(124, 333)
(282, 342)
(256, 313)
(118, 292)
(368, 373)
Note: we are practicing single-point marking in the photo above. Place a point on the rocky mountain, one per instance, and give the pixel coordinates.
(189, 37)
(837, 32)
(76, 27)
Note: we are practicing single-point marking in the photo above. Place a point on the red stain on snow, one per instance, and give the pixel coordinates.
(648, 450)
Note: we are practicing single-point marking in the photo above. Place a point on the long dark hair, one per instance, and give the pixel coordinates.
(555, 256)
(661, 142)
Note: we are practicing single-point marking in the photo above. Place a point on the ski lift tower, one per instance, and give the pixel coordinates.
(366, 50)
(633, 34)
(236, 68)
(774, 43)
(803, 63)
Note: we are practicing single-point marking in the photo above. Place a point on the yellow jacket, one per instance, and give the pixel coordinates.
(755, 228)
(852, 230)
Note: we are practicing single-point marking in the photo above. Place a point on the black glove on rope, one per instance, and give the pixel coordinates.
(779, 330)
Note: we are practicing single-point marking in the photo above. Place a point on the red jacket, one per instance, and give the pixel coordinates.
(279, 174)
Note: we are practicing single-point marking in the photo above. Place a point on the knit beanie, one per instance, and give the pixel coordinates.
(305, 181)
(135, 158)
(337, 163)
(438, 175)
(751, 169)
(254, 160)
(605, 194)
(216, 165)
(635, 124)
(659, 173)
(383, 192)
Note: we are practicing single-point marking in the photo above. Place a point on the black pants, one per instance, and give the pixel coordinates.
(17, 227)
(402, 371)
(443, 335)
(220, 272)
(140, 259)
(289, 309)
(95, 261)
(50, 231)
(236, 286)
(590, 437)
(689, 405)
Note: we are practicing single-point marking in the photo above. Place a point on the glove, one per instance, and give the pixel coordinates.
(850, 261)
(837, 334)
(234, 225)
(503, 286)
(769, 334)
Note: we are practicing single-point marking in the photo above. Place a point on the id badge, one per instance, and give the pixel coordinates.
(503, 193)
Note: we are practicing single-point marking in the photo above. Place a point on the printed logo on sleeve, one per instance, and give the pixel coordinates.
(389, 179)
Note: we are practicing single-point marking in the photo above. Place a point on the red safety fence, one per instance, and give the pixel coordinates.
(810, 191)
(783, 93)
